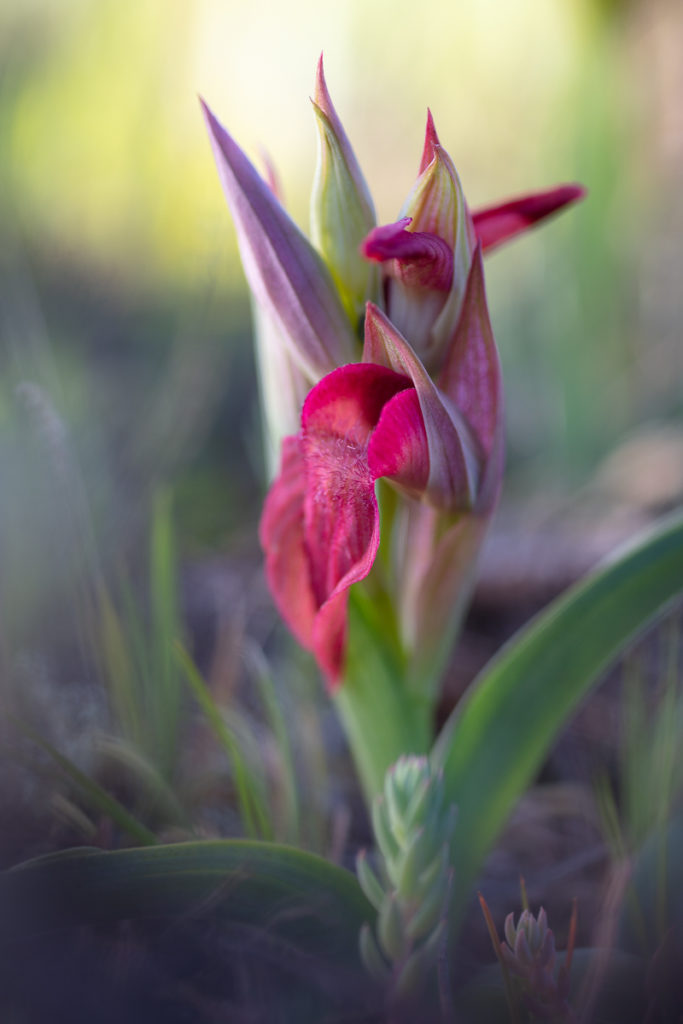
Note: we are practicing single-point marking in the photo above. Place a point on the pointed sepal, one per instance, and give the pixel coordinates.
(496, 224)
(342, 211)
(285, 273)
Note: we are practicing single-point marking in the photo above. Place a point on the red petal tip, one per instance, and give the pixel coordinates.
(321, 95)
(496, 224)
(431, 140)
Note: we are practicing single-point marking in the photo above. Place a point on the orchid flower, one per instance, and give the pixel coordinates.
(309, 298)
(391, 468)
(382, 417)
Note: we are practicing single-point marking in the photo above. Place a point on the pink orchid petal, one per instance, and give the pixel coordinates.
(453, 468)
(320, 526)
(340, 512)
(285, 273)
(496, 224)
(281, 533)
(416, 258)
(398, 448)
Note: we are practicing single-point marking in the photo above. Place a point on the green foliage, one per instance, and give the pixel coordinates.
(382, 719)
(136, 653)
(413, 827)
(496, 740)
(251, 801)
(262, 924)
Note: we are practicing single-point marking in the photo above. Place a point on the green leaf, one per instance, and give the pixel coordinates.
(257, 921)
(497, 738)
(316, 904)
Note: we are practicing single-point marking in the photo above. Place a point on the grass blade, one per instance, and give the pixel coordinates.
(278, 726)
(266, 926)
(95, 794)
(253, 812)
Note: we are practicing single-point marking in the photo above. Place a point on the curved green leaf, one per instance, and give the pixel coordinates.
(300, 896)
(218, 923)
(495, 741)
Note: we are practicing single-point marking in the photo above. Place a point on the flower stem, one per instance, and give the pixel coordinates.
(381, 718)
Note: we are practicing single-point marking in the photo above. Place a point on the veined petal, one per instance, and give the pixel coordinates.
(320, 526)
(436, 202)
(453, 455)
(342, 211)
(398, 447)
(471, 374)
(340, 512)
(340, 515)
(287, 276)
(437, 207)
(496, 224)
(281, 533)
(471, 378)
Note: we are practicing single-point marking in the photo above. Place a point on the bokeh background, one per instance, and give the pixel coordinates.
(122, 301)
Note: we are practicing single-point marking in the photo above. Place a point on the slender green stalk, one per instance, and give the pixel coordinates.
(382, 720)
(278, 726)
(165, 684)
(253, 813)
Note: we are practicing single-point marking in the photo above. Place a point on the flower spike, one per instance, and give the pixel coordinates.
(421, 407)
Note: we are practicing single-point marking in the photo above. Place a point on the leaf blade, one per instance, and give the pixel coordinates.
(496, 740)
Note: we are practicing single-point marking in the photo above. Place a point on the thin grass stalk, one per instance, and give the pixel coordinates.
(98, 796)
(278, 726)
(252, 809)
(165, 686)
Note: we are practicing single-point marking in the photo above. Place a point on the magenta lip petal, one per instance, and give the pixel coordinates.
(496, 224)
(281, 532)
(418, 258)
(320, 526)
